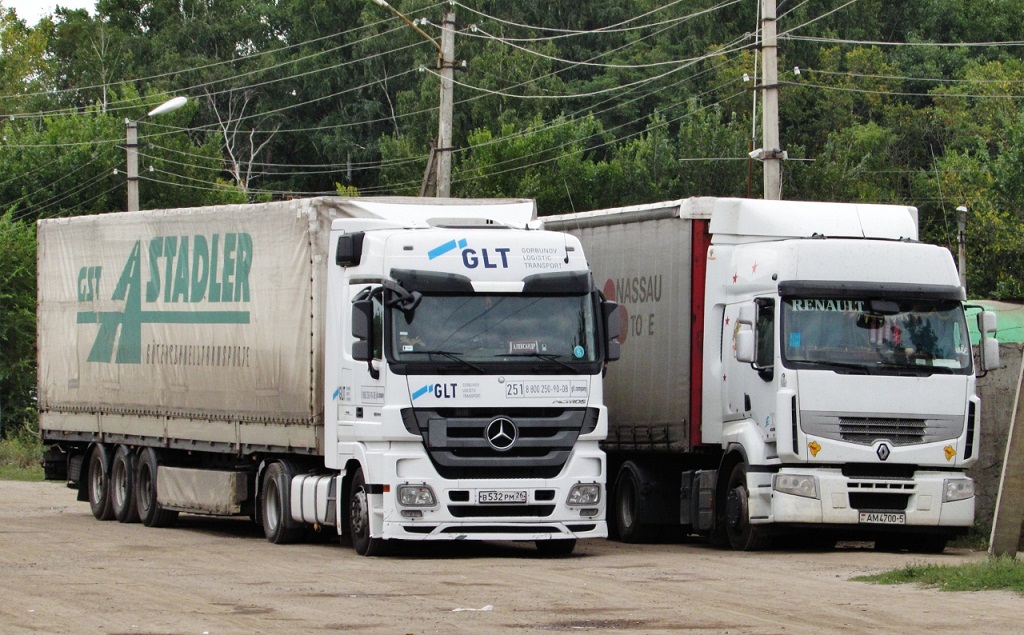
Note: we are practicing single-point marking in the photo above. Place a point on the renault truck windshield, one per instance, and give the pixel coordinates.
(875, 336)
(477, 329)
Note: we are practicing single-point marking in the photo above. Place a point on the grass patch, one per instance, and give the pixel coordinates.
(19, 457)
(993, 574)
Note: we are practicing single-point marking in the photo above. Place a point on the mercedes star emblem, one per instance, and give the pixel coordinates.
(501, 434)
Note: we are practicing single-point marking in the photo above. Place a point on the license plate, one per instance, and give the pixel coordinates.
(883, 518)
(502, 497)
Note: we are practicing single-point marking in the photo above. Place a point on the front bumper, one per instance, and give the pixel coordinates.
(459, 513)
(841, 499)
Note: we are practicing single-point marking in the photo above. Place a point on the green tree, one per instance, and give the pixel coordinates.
(17, 324)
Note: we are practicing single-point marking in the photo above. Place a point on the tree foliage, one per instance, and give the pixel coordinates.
(579, 105)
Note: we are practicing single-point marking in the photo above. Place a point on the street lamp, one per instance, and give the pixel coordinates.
(961, 226)
(446, 68)
(132, 146)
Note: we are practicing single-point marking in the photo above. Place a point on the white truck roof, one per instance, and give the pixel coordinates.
(742, 219)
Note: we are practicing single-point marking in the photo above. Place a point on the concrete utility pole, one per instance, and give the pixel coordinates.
(440, 155)
(961, 243)
(771, 153)
(132, 145)
(446, 64)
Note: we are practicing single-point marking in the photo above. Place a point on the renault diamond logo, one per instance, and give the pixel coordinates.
(883, 451)
(501, 434)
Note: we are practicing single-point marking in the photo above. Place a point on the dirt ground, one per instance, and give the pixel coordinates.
(61, 571)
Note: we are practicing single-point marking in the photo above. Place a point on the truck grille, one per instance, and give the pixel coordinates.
(865, 430)
(457, 440)
(898, 431)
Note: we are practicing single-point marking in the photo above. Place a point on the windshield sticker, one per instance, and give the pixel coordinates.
(794, 340)
(578, 352)
(523, 346)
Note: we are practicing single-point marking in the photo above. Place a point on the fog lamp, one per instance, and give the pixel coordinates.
(796, 484)
(416, 496)
(957, 489)
(584, 494)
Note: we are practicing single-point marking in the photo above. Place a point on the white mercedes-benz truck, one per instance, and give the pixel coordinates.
(383, 368)
(788, 368)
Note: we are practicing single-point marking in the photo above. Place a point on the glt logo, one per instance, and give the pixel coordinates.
(207, 276)
(440, 391)
(471, 258)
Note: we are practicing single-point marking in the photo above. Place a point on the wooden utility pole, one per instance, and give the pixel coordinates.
(1009, 516)
(446, 64)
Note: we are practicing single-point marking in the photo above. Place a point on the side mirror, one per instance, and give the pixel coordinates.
(745, 345)
(746, 315)
(987, 326)
(362, 330)
(987, 323)
(612, 330)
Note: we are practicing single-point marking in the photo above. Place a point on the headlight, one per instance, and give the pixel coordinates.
(416, 496)
(796, 484)
(957, 489)
(584, 494)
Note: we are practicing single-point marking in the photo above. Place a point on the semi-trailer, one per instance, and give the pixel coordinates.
(380, 368)
(788, 368)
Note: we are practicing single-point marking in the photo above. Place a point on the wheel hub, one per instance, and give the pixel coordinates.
(736, 507)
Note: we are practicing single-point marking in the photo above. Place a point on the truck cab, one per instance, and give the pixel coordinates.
(463, 380)
(842, 387)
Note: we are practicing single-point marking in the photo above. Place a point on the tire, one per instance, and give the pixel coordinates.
(628, 503)
(742, 535)
(122, 485)
(275, 506)
(98, 484)
(359, 519)
(150, 512)
(556, 548)
(929, 543)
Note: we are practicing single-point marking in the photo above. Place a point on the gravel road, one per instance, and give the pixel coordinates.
(61, 571)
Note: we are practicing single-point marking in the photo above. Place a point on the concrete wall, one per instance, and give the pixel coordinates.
(998, 391)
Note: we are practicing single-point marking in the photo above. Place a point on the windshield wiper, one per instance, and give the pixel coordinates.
(915, 369)
(838, 366)
(454, 356)
(545, 356)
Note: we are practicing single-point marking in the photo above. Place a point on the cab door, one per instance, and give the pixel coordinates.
(751, 377)
(368, 375)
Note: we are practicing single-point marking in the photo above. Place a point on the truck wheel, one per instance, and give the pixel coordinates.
(122, 485)
(275, 504)
(359, 519)
(742, 535)
(629, 501)
(150, 512)
(930, 543)
(556, 548)
(99, 484)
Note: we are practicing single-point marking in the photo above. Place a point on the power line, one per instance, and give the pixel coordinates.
(827, 40)
(611, 29)
(235, 60)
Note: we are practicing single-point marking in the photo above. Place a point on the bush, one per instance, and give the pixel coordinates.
(20, 454)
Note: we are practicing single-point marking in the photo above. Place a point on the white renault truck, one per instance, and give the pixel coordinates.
(788, 368)
(412, 369)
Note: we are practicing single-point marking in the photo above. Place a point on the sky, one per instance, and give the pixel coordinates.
(31, 10)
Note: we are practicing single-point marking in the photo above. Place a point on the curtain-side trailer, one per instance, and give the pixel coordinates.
(414, 369)
(787, 368)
